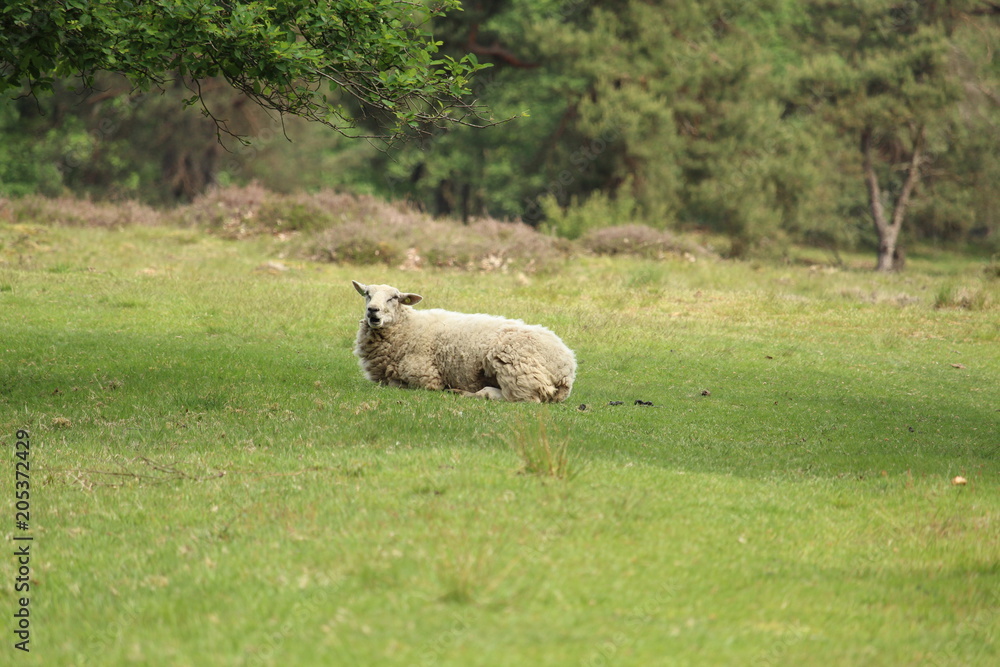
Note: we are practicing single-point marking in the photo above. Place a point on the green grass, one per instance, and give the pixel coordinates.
(213, 481)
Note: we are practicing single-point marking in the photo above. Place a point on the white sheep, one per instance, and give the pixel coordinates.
(475, 355)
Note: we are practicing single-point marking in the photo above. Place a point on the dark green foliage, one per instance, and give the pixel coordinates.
(705, 116)
(741, 119)
(287, 56)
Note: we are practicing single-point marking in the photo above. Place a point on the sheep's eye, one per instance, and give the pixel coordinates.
(393, 298)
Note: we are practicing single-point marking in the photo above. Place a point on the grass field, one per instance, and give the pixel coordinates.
(213, 482)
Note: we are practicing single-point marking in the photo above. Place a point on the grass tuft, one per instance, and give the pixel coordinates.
(540, 453)
(963, 298)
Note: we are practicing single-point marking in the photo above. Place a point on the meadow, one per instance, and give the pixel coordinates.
(213, 482)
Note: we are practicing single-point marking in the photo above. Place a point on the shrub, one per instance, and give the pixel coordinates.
(242, 211)
(355, 243)
(595, 212)
(638, 240)
(79, 212)
(391, 233)
(230, 211)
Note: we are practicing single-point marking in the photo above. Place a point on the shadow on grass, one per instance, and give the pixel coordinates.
(177, 387)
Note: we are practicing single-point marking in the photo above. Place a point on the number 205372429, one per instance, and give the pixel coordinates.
(22, 480)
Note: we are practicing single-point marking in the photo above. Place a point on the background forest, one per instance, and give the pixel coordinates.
(768, 122)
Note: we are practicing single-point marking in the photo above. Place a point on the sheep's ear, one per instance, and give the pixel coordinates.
(410, 299)
(362, 289)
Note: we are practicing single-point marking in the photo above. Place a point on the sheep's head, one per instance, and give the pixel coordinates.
(383, 303)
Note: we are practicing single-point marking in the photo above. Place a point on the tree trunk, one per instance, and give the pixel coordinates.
(887, 251)
(889, 256)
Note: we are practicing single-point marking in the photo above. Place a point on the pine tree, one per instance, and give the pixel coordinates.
(878, 71)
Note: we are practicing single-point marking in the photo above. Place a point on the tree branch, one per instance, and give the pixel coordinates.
(912, 178)
(495, 50)
(871, 181)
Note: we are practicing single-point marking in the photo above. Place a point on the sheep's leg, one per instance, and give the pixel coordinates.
(489, 393)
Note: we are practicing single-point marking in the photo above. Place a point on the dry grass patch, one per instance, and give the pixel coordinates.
(540, 453)
(641, 241)
(963, 298)
(75, 212)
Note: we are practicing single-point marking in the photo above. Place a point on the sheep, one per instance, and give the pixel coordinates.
(475, 355)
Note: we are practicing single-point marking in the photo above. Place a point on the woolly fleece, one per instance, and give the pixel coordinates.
(476, 355)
